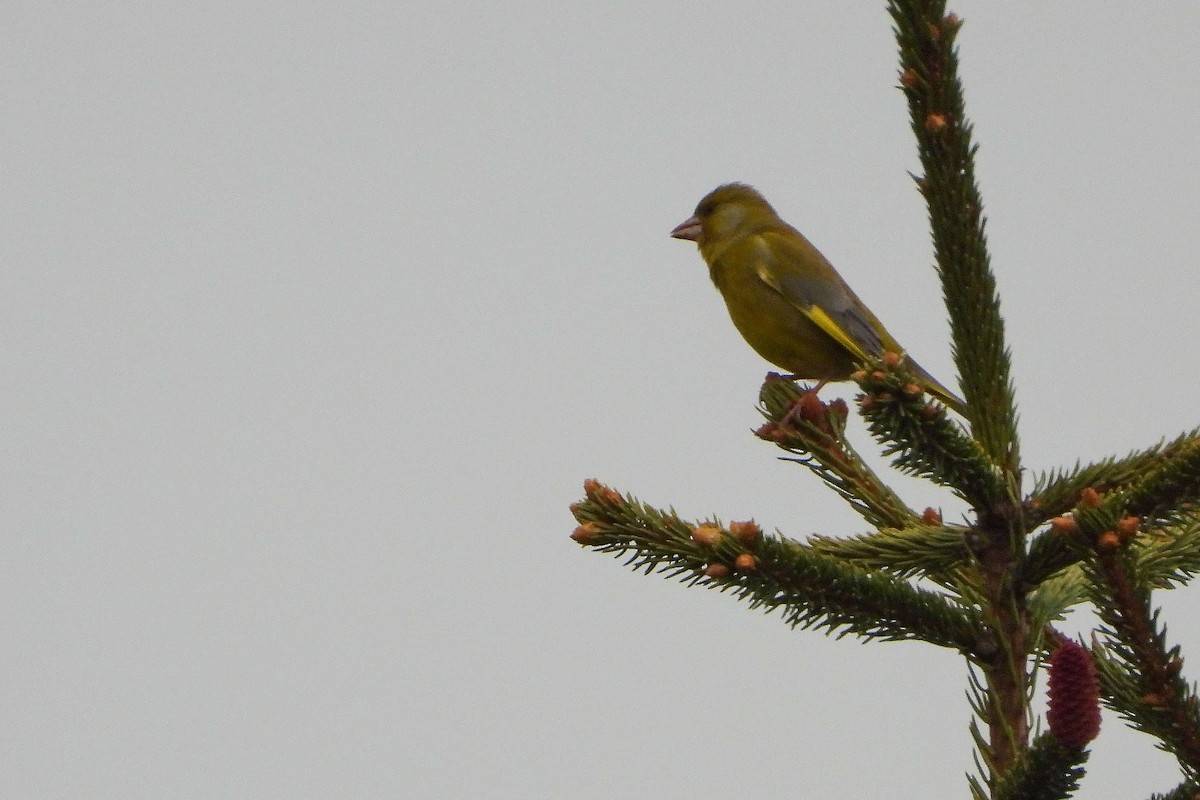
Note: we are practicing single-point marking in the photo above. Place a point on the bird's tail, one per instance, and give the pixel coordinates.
(953, 401)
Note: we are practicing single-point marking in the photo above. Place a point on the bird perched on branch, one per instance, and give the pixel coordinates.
(788, 302)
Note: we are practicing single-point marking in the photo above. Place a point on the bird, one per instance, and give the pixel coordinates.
(785, 298)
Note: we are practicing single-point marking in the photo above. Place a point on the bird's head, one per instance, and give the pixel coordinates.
(728, 211)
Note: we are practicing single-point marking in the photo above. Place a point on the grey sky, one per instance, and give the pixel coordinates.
(316, 316)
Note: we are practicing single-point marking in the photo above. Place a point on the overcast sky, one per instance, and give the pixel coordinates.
(316, 316)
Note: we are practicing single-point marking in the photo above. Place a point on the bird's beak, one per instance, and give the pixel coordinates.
(688, 229)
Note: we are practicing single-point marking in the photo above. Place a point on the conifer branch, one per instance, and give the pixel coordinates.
(1166, 557)
(814, 433)
(810, 589)
(1049, 602)
(922, 437)
(1055, 492)
(1169, 556)
(1165, 497)
(1048, 770)
(1049, 552)
(1164, 491)
(985, 764)
(935, 552)
(929, 79)
(1184, 791)
(1140, 674)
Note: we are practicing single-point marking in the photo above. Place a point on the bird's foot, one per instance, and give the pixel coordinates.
(808, 407)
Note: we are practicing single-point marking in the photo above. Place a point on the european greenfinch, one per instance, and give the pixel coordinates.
(784, 297)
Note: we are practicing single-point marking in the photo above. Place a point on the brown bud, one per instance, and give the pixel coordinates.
(1089, 497)
(931, 516)
(1127, 527)
(858, 376)
(745, 562)
(912, 390)
(1107, 542)
(717, 570)
(936, 123)
(811, 407)
(909, 78)
(1064, 526)
(770, 432)
(892, 360)
(867, 403)
(747, 532)
(707, 535)
(597, 492)
(878, 375)
(931, 411)
(1154, 700)
(586, 533)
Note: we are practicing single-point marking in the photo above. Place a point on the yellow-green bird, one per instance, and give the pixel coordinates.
(785, 298)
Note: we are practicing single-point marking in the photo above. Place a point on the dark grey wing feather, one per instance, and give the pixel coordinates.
(838, 302)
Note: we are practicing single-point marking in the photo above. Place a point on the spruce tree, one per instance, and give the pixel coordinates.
(1106, 534)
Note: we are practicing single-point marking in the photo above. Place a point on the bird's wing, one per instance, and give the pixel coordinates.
(824, 298)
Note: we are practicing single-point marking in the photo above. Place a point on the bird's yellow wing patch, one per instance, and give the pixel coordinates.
(831, 327)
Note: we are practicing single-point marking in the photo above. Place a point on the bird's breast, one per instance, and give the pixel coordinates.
(776, 329)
